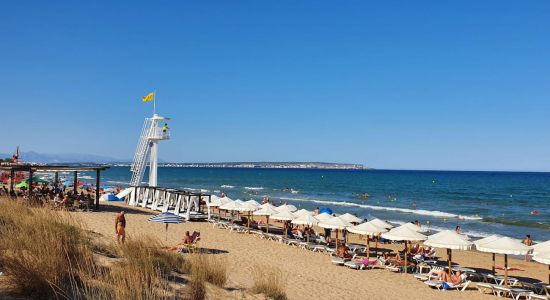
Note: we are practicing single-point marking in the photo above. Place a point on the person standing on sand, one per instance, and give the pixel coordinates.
(120, 227)
(528, 242)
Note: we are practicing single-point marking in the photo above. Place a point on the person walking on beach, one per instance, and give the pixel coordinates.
(120, 227)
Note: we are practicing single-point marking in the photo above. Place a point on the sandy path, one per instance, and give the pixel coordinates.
(307, 274)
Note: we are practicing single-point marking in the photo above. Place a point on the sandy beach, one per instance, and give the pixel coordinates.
(307, 274)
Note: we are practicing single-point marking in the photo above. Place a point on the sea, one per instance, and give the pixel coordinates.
(481, 203)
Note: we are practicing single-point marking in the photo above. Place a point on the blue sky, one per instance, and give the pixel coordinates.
(418, 85)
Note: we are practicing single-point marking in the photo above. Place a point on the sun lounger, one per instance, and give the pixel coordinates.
(485, 288)
(361, 264)
(440, 285)
(430, 275)
(533, 296)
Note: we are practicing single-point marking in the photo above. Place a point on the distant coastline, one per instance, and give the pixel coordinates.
(261, 165)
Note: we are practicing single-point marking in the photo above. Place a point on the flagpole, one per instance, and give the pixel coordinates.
(155, 102)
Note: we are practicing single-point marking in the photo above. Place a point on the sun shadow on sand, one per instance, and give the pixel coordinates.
(209, 251)
(126, 209)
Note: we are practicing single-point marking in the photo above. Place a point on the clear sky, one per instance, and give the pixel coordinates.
(390, 84)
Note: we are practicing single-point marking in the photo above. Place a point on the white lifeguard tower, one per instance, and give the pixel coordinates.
(154, 130)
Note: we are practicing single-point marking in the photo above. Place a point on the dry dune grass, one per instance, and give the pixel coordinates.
(269, 281)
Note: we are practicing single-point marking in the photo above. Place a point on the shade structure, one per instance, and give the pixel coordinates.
(167, 218)
(506, 246)
(451, 241)
(366, 228)
(267, 204)
(216, 201)
(266, 211)
(303, 212)
(415, 227)
(541, 247)
(323, 217)
(351, 218)
(544, 258)
(284, 215)
(486, 240)
(381, 223)
(233, 205)
(287, 207)
(406, 234)
(335, 223)
(305, 219)
(252, 203)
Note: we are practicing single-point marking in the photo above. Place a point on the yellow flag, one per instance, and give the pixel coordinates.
(149, 97)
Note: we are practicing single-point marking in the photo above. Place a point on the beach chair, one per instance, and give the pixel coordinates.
(485, 288)
(430, 275)
(533, 296)
(440, 285)
(339, 260)
(361, 264)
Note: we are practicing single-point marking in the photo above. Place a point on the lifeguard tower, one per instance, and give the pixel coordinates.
(154, 130)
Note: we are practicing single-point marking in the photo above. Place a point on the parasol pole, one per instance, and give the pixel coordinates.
(248, 222)
(506, 270)
(406, 252)
(494, 263)
(166, 238)
(449, 259)
(267, 228)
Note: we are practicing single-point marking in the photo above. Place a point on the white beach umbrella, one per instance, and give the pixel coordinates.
(253, 203)
(381, 223)
(335, 223)
(350, 218)
(450, 240)
(216, 201)
(267, 204)
(303, 212)
(544, 258)
(415, 227)
(506, 246)
(541, 247)
(367, 229)
(266, 211)
(287, 207)
(323, 217)
(486, 240)
(232, 205)
(284, 215)
(306, 219)
(406, 234)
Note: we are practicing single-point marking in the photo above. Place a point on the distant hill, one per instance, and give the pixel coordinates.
(32, 156)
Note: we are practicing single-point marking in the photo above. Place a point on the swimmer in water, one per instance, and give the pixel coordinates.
(414, 205)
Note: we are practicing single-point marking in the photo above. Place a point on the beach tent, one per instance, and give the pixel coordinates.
(506, 246)
(303, 212)
(367, 229)
(381, 223)
(335, 223)
(287, 207)
(544, 258)
(350, 218)
(306, 219)
(266, 211)
(486, 240)
(405, 234)
(541, 247)
(167, 218)
(451, 241)
(284, 215)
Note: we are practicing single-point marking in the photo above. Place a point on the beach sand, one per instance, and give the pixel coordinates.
(307, 275)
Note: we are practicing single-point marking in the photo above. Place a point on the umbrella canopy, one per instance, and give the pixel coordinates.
(266, 211)
(415, 227)
(233, 205)
(167, 218)
(486, 240)
(542, 247)
(323, 217)
(335, 223)
(404, 233)
(366, 228)
(267, 204)
(284, 215)
(505, 245)
(450, 240)
(303, 212)
(252, 203)
(543, 257)
(381, 223)
(287, 207)
(306, 219)
(350, 218)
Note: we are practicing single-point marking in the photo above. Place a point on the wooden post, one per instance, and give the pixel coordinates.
(97, 189)
(406, 256)
(493, 264)
(30, 182)
(56, 178)
(506, 270)
(449, 258)
(75, 183)
(12, 179)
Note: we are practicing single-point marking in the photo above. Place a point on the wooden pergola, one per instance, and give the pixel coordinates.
(32, 169)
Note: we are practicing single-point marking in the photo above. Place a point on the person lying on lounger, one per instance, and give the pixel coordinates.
(451, 280)
(188, 240)
(342, 252)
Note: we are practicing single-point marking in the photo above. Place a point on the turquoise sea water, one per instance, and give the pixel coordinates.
(482, 203)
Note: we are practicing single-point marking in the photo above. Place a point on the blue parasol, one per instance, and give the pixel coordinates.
(167, 218)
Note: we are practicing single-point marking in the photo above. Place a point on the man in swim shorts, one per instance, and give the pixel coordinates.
(120, 227)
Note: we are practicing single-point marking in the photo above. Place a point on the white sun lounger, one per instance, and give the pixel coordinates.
(439, 285)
